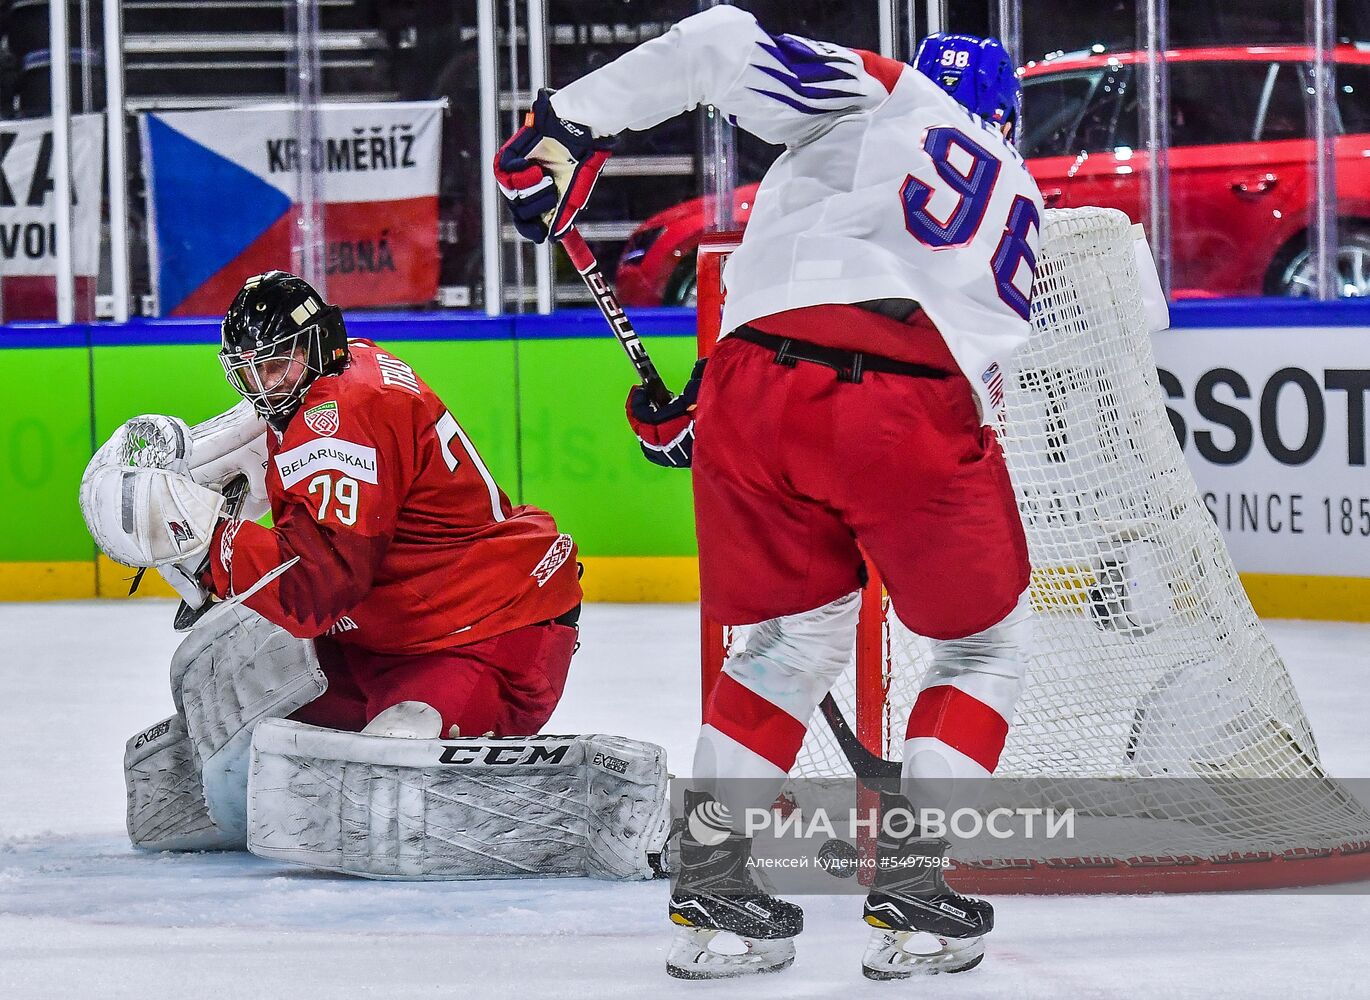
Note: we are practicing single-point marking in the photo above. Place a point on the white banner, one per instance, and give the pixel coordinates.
(366, 152)
(1273, 423)
(28, 230)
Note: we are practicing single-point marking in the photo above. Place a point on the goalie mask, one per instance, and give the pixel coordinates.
(978, 73)
(278, 337)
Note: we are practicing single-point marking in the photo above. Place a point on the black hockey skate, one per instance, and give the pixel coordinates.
(728, 925)
(921, 926)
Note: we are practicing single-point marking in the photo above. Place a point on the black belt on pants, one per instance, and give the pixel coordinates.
(849, 365)
(571, 618)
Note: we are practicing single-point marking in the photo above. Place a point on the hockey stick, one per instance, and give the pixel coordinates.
(585, 263)
(872, 770)
(235, 495)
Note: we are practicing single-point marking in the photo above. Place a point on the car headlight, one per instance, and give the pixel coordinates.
(639, 243)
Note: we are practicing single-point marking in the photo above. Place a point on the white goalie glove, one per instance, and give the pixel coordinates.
(149, 517)
(151, 496)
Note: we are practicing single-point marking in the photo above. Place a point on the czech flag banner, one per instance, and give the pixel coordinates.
(221, 188)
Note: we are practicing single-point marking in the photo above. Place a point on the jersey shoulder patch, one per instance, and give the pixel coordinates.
(883, 68)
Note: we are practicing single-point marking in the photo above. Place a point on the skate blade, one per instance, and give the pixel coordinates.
(904, 954)
(697, 953)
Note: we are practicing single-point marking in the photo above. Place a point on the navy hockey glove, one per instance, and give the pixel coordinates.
(667, 434)
(547, 169)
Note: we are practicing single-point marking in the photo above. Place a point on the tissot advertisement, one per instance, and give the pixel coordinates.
(1273, 425)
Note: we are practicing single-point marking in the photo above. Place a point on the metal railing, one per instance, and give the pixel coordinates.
(899, 24)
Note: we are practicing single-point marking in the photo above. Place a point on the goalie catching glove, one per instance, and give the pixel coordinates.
(666, 434)
(152, 494)
(547, 170)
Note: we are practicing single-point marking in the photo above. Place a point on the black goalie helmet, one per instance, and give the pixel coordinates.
(278, 337)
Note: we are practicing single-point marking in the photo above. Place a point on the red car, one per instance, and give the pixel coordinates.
(1241, 163)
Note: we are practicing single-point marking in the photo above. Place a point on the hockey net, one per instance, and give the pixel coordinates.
(1148, 666)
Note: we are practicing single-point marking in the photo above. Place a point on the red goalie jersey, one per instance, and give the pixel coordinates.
(405, 543)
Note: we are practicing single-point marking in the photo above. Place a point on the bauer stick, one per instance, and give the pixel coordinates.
(235, 495)
(585, 263)
(873, 770)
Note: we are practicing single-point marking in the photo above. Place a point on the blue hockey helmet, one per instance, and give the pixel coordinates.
(977, 72)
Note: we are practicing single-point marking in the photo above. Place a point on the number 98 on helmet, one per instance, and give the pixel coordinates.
(978, 73)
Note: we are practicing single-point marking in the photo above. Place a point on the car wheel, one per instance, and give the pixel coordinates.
(1296, 275)
(683, 288)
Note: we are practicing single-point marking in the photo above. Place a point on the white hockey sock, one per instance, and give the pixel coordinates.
(758, 713)
(958, 725)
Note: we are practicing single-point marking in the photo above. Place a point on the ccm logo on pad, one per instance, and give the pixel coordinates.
(516, 754)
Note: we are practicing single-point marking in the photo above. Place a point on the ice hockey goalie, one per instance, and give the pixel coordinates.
(397, 603)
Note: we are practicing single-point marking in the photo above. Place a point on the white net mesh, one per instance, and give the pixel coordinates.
(1148, 661)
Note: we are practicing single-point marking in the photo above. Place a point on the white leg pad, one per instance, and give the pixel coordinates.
(166, 807)
(405, 808)
(794, 661)
(990, 666)
(234, 669)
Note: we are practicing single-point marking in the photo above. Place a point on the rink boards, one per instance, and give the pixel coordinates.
(1269, 398)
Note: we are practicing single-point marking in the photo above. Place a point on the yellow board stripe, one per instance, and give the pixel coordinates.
(640, 579)
(46, 581)
(1318, 598)
(651, 579)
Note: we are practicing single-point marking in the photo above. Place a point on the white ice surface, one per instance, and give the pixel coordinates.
(83, 915)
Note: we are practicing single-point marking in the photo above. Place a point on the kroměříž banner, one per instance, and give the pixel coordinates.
(220, 201)
(28, 213)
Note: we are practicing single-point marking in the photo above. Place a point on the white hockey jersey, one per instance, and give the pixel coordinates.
(887, 189)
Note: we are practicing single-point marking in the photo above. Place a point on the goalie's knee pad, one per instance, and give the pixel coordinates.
(234, 669)
(414, 720)
(384, 807)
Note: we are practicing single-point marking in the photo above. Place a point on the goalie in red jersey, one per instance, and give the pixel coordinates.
(417, 578)
(399, 610)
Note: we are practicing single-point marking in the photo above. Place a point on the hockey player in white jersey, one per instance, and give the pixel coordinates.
(879, 292)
